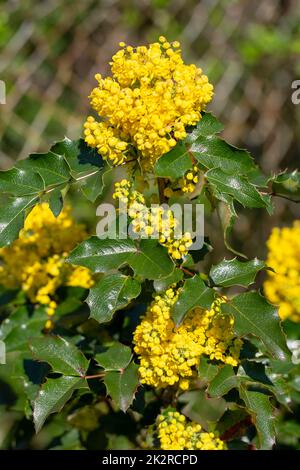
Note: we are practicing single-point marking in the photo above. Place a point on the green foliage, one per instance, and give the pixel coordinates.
(234, 272)
(53, 395)
(255, 317)
(113, 292)
(62, 355)
(122, 385)
(86, 371)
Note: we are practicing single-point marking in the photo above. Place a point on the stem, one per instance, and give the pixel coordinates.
(70, 181)
(236, 429)
(190, 273)
(96, 376)
(161, 188)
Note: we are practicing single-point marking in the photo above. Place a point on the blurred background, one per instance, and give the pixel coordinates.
(250, 49)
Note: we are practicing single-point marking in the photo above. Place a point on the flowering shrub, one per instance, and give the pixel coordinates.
(130, 330)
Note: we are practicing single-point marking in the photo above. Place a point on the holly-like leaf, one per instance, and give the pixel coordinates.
(202, 409)
(236, 186)
(151, 261)
(122, 386)
(174, 163)
(50, 166)
(207, 126)
(161, 285)
(92, 187)
(254, 316)
(259, 406)
(111, 293)
(234, 272)
(102, 255)
(207, 371)
(12, 215)
(116, 358)
(224, 380)
(80, 158)
(21, 182)
(53, 395)
(213, 152)
(21, 326)
(61, 354)
(194, 293)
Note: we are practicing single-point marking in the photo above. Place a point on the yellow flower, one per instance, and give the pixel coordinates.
(282, 287)
(170, 355)
(149, 101)
(35, 261)
(155, 221)
(190, 179)
(175, 432)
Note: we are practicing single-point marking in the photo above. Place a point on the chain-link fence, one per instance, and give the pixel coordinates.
(50, 51)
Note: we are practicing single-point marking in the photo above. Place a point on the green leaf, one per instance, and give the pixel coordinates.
(259, 406)
(61, 354)
(224, 381)
(213, 152)
(174, 163)
(207, 371)
(236, 186)
(20, 326)
(56, 202)
(207, 126)
(50, 166)
(80, 158)
(228, 216)
(151, 261)
(111, 293)
(53, 395)
(122, 386)
(116, 358)
(234, 272)
(102, 255)
(12, 216)
(253, 315)
(92, 187)
(21, 182)
(161, 285)
(202, 409)
(193, 294)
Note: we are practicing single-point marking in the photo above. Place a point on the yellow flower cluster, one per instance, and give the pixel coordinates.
(149, 100)
(35, 261)
(189, 181)
(283, 286)
(155, 222)
(170, 355)
(176, 433)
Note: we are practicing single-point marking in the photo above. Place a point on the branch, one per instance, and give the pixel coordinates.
(297, 201)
